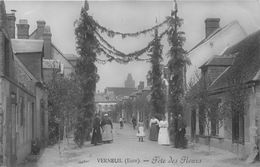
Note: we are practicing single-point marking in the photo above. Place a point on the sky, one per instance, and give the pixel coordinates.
(131, 16)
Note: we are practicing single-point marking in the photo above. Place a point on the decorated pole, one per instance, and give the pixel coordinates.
(176, 66)
(86, 71)
(157, 96)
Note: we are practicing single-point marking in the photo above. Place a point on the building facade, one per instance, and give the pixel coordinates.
(217, 40)
(24, 115)
(231, 80)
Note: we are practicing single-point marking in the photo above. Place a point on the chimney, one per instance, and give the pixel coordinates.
(23, 29)
(211, 25)
(11, 24)
(47, 42)
(40, 29)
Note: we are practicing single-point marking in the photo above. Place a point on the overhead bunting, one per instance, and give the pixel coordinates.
(112, 33)
(115, 55)
(103, 47)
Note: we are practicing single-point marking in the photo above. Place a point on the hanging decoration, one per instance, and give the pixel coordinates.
(113, 54)
(103, 47)
(112, 33)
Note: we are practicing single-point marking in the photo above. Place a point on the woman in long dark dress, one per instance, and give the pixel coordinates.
(107, 126)
(154, 129)
(96, 133)
(181, 140)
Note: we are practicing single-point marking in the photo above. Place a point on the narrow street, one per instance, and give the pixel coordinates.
(126, 151)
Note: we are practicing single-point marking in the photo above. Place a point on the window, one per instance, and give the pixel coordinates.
(201, 119)
(7, 58)
(216, 116)
(237, 127)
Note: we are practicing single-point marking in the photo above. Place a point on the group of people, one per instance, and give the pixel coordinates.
(102, 130)
(159, 131)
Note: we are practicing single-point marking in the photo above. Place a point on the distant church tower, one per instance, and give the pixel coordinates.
(129, 82)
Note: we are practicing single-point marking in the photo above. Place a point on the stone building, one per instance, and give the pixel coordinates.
(217, 40)
(231, 79)
(239, 83)
(23, 111)
(54, 58)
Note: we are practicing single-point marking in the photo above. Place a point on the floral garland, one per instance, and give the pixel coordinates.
(112, 50)
(115, 55)
(112, 33)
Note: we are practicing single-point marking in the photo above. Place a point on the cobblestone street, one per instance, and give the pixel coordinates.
(126, 151)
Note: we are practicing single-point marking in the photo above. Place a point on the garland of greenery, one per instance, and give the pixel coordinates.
(111, 33)
(114, 55)
(87, 72)
(176, 65)
(157, 96)
(112, 50)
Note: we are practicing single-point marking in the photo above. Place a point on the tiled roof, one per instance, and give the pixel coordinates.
(246, 63)
(60, 53)
(71, 56)
(27, 46)
(219, 61)
(216, 32)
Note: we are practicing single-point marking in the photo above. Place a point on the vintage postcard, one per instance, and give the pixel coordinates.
(129, 83)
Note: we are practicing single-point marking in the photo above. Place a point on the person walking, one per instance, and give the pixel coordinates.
(134, 122)
(121, 121)
(140, 133)
(163, 137)
(107, 129)
(181, 131)
(96, 132)
(154, 129)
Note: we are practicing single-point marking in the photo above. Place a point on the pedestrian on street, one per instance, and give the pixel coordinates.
(107, 129)
(121, 121)
(181, 131)
(140, 133)
(154, 129)
(163, 137)
(134, 122)
(96, 132)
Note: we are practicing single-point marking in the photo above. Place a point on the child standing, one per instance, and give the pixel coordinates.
(140, 134)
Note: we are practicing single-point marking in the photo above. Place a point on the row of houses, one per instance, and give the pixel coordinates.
(106, 101)
(27, 63)
(226, 66)
(119, 102)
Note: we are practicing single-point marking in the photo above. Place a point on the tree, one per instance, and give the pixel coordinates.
(64, 95)
(87, 73)
(176, 66)
(157, 95)
(211, 114)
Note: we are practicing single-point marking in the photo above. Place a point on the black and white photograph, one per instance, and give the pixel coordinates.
(130, 83)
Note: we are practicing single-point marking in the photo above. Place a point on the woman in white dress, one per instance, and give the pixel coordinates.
(163, 138)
